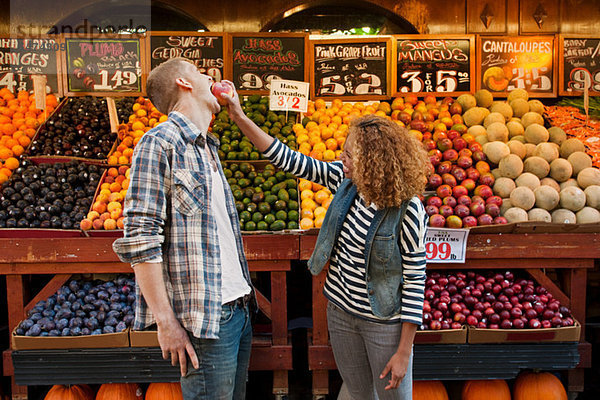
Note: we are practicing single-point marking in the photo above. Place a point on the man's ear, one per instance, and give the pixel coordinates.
(183, 83)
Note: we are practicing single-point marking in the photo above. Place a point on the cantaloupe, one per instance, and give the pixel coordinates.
(515, 119)
(520, 107)
(515, 129)
(528, 179)
(588, 176)
(539, 215)
(502, 108)
(466, 101)
(547, 181)
(515, 214)
(484, 98)
(560, 170)
(568, 183)
(529, 148)
(588, 215)
(592, 196)
(579, 161)
(503, 187)
(495, 151)
(518, 94)
(505, 205)
(536, 106)
(548, 151)
(511, 166)
(496, 173)
(481, 139)
(477, 130)
(537, 166)
(562, 216)
(522, 197)
(531, 118)
(517, 148)
(475, 116)
(570, 146)
(494, 117)
(572, 198)
(546, 197)
(536, 133)
(497, 132)
(520, 138)
(557, 135)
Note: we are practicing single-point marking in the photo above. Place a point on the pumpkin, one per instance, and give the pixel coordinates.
(493, 389)
(70, 392)
(164, 391)
(538, 386)
(428, 390)
(119, 391)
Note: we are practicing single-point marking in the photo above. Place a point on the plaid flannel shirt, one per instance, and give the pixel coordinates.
(167, 213)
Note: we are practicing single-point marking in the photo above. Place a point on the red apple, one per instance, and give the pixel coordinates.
(477, 209)
(464, 200)
(459, 190)
(446, 211)
(444, 144)
(444, 190)
(437, 221)
(218, 89)
(476, 146)
(430, 210)
(464, 162)
(461, 211)
(450, 155)
(460, 143)
(487, 179)
(469, 184)
(478, 155)
(492, 209)
(458, 173)
(497, 200)
(465, 153)
(435, 180)
(445, 167)
(473, 174)
(434, 201)
(429, 144)
(484, 191)
(452, 134)
(449, 201)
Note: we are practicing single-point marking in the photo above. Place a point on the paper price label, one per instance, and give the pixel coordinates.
(446, 245)
(288, 96)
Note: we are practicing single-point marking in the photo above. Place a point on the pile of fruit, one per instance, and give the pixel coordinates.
(265, 200)
(107, 209)
(19, 119)
(314, 202)
(143, 117)
(489, 301)
(48, 195)
(83, 308)
(235, 146)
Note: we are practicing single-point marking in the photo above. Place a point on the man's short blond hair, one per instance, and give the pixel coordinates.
(161, 86)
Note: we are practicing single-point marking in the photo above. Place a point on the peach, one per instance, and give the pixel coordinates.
(115, 187)
(85, 224)
(115, 197)
(121, 222)
(92, 215)
(113, 205)
(112, 172)
(116, 214)
(98, 224)
(109, 179)
(123, 169)
(99, 207)
(110, 224)
(104, 216)
(103, 198)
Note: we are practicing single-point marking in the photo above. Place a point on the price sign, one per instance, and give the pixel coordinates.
(579, 66)
(351, 68)
(104, 66)
(23, 58)
(438, 65)
(259, 59)
(205, 50)
(288, 96)
(444, 245)
(524, 62)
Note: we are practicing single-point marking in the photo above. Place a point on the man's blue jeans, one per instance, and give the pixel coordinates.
(223, 362)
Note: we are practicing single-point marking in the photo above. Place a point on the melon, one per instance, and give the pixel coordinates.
(557, 135)
(579, 161)
(520, 107)
(477, 130)
(474, 116)
(497, 132)
(520, 94)
(560, 170)
(515, 129)
(572, 198)
(528, 179)
(466, 101)
(481, 139)
(515, 119)
(532, 118)
(546, 197)
(502, 108)
(515, 214)
(496, 151)
(550, 182)
(536, 133)
(592, 196)
(539, 215)
(587, 215)
(505, 206)
(503, 187)
(484, 98)
(519, 138)
(536, 106)
(568, 183)
(570, 146)
(511, 166)
(562, 216)
(529, 148)
(588, 176)
(522, 197)
(517, 148)
(548, 151)
(496, 173)
(493, 117)
(537, 166)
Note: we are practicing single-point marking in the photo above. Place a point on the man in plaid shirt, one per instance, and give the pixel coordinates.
(183, 239)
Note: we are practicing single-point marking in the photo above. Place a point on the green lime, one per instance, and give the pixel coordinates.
(269, 167)
(238, 174)
(293, 205)
(245, 167)
(234, 166)
(232, 155)
(254, 155)
(244, 182)
(246, 200)
(227, 172)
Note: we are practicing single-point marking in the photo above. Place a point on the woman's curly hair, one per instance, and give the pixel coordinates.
(389, 165)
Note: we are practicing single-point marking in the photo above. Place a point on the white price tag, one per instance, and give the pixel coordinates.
(444, 245)
(288, 96)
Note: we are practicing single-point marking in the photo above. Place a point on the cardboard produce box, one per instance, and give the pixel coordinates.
(443, 336)
(566, 334)
(143, 338)
(107, 340)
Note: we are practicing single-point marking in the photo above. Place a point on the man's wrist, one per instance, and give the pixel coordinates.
(165, 319)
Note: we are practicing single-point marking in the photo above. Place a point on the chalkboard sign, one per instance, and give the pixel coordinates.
(261, 57)
(205, 50)
(23, 57)
(104, 66)
(351, 68)
(438, 65)
(525, 62)
(580, 64)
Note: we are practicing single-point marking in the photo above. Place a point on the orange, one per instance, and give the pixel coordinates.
(306, 223)
(306, 194)
(319, 221)
(320, 103)
(308, 204)
(319, 212)
(5, 153)
(319, 147)
(317, 155)
(305, 148)
(321, 196)
(112, 160)
(115, 187)
(302, 138)
(3, 178)
(331, 144)
(112, 172)
(328, 155)
(306, 213)
(316, 187)
(327, 202)
(304, 184)
(18, 150)
(123, 160)
(6, 171)
(137, 125)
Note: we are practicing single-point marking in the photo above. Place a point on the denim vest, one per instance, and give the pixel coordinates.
(382, 250)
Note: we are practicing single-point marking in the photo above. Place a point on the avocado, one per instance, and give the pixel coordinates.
(278, 225)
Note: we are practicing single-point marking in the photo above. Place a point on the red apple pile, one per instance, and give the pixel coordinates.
(495, 301)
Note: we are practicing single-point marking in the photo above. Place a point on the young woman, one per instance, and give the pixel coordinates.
(373, 238)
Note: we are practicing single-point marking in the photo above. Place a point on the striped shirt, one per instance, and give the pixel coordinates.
(346, 284)
(169, 214)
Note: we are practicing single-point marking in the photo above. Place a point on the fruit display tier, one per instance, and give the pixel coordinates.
(443, 362)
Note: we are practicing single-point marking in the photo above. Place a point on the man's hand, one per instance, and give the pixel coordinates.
(397, 367)
(233, 101)
(174, 342)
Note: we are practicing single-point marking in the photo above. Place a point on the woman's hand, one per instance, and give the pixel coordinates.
(233, 101)
(397, 368)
